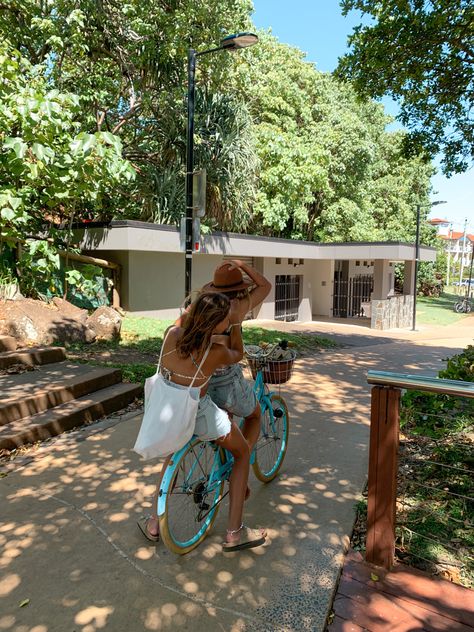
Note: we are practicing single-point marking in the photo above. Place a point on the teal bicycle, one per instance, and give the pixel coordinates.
(192, 488)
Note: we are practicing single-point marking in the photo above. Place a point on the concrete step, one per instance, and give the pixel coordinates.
(7, 343)
(48, 386)
(69, 415)
(32, 356)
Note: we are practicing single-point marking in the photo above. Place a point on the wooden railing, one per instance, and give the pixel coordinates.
(383, 453)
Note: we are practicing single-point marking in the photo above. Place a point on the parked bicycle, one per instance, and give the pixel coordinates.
(192, 488)
(464, 306)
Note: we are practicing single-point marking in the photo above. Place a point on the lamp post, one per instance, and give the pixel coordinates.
(468, 293)
(417, 255)
(230, 43)
(463, 250)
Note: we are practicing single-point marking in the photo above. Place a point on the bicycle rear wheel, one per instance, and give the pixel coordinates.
(459, 307)
(272, 443)
(193, 488)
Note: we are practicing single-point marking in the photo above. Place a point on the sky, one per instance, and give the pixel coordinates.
(318, 28)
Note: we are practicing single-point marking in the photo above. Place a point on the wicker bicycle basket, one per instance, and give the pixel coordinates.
(274, 371)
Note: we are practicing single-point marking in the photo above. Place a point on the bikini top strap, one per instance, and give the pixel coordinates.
(204, 357)
(161, 351)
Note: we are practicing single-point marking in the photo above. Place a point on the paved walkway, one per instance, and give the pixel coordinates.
(70, 546)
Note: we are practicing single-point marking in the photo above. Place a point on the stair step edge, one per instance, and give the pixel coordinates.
(35, 356)
(68, 415)
(48, 398)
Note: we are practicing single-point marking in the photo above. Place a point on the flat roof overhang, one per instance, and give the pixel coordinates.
(144, 237)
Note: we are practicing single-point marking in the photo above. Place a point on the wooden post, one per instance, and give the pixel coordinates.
(116, 288)
(382, 496)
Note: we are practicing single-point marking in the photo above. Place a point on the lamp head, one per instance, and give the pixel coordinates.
(239, 40)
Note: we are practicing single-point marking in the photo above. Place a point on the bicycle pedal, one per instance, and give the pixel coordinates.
(204, 506)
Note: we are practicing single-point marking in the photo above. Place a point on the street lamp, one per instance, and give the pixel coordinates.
(417, 255)
(230, 43)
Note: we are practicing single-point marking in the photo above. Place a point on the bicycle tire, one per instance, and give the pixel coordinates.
(468, 308)
(272, 443)
(459, 307)
(190, 511)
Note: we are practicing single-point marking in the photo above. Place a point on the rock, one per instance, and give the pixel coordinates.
(69, 310)
(10, 291)
(32, 321)
(106, 323)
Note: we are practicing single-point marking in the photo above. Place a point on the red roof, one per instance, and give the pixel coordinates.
(454, 235)
(436, 220)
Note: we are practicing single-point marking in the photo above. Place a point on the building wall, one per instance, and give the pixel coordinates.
(269, 267)
(322, 280)
(154, 284)
(391, 313)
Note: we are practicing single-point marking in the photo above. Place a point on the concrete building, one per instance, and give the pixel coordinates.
(308, 279)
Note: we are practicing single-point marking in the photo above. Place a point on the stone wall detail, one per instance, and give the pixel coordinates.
(395, 312)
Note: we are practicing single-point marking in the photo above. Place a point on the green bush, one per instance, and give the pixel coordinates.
(438, 414)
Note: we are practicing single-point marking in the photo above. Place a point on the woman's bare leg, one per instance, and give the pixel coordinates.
(251, 426)
(237, 445)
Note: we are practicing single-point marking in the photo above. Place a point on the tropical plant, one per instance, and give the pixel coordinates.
(50, 169)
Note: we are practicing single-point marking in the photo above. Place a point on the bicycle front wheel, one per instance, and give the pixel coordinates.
(194, 489)
(272, 443)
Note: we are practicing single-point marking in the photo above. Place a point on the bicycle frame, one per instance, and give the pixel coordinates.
(263, 395)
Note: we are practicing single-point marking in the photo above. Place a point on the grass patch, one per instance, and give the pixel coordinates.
(137, 352)
(437, 311)
(301, 342)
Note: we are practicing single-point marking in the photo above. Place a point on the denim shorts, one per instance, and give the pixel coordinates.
(233, 392)
(211, 422)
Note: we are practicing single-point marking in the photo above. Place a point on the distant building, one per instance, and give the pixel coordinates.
(456, 245)
(309, 280)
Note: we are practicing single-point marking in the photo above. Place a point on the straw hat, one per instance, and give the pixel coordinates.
(227, 278)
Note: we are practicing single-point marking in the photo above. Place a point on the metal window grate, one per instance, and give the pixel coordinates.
(287, 297)
(350, 293)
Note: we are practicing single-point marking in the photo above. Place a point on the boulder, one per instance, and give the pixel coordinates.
(106, 323)
(40, 323)
(68, 310)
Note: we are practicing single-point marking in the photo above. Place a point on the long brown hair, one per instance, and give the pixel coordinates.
(208, 310)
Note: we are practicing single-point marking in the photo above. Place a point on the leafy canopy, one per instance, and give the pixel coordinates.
(329, 170)
(421, 53)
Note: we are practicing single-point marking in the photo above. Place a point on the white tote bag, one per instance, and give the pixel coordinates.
(169, 416)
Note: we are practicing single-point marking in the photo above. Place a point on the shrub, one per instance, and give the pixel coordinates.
(438, 414)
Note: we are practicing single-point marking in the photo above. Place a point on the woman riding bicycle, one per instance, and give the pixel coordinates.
(227, 387)
(212, 314)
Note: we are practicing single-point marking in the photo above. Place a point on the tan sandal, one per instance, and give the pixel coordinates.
(143, 526)
(249, 539)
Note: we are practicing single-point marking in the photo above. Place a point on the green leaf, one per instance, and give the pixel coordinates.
(24, 603)
(17, 146)
(7, 214)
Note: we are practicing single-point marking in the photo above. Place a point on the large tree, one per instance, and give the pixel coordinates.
(126, 61)
(329, 170)
(421, 53)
